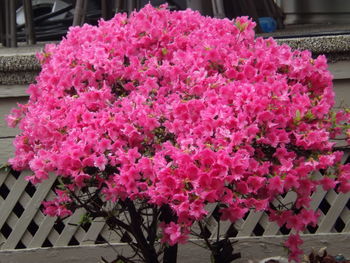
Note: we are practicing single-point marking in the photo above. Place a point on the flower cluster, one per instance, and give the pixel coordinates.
(180, 109)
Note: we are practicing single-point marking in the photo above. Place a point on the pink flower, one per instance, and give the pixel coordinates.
(174, 108)
(296, 222)
(309, 217)
(293, 243)
(233, 213)
(57, 207)
(328, 183)
(100, 162)
(275, 184)
(291, 181)
(255, 183)
(174, 234)
(280, 217)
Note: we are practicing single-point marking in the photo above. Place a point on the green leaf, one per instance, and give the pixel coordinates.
(297, 118)
(240, 26)
(5, 167)
(309, 115)
(164, 51)
(85, 219)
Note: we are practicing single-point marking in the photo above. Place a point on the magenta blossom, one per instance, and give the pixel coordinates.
(178, 109)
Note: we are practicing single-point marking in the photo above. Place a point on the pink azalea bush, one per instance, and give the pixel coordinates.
(178, 109)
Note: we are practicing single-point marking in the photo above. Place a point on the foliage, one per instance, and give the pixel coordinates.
(164, 113)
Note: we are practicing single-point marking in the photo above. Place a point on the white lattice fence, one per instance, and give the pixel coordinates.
(23, 225)
(334, 217)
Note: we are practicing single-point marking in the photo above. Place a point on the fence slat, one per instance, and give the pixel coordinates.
(14, 195)
(345, 216)
(72, 225)
(3, 176)
(317, 198)
(249, 224)
(44, 229)
(347, 226)
(30, 211)
(336, 208)
(26, 238)
(272, 228)
(93, 232)
(70, 230)
(110, 236)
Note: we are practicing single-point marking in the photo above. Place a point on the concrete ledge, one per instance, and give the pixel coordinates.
(22, 49)
(10, 63)
(251, 248)
(19, 65)
(17, 77)
(336, 48)
(7, 91)
(321, 44)
(18, 69)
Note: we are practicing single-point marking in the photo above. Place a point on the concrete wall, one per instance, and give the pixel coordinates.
(251, 248)
(18, 68)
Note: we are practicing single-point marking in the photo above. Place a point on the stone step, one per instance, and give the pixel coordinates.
(19, 66)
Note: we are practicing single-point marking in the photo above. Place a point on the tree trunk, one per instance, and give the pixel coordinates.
(170, 253)
(147, 251)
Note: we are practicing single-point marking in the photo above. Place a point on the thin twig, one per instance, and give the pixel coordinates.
(218, 232)
(205, 238)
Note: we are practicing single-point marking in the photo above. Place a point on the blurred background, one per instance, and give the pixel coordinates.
(48, 20)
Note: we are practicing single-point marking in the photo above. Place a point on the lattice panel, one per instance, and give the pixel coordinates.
(23, 224)
(334, 217)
